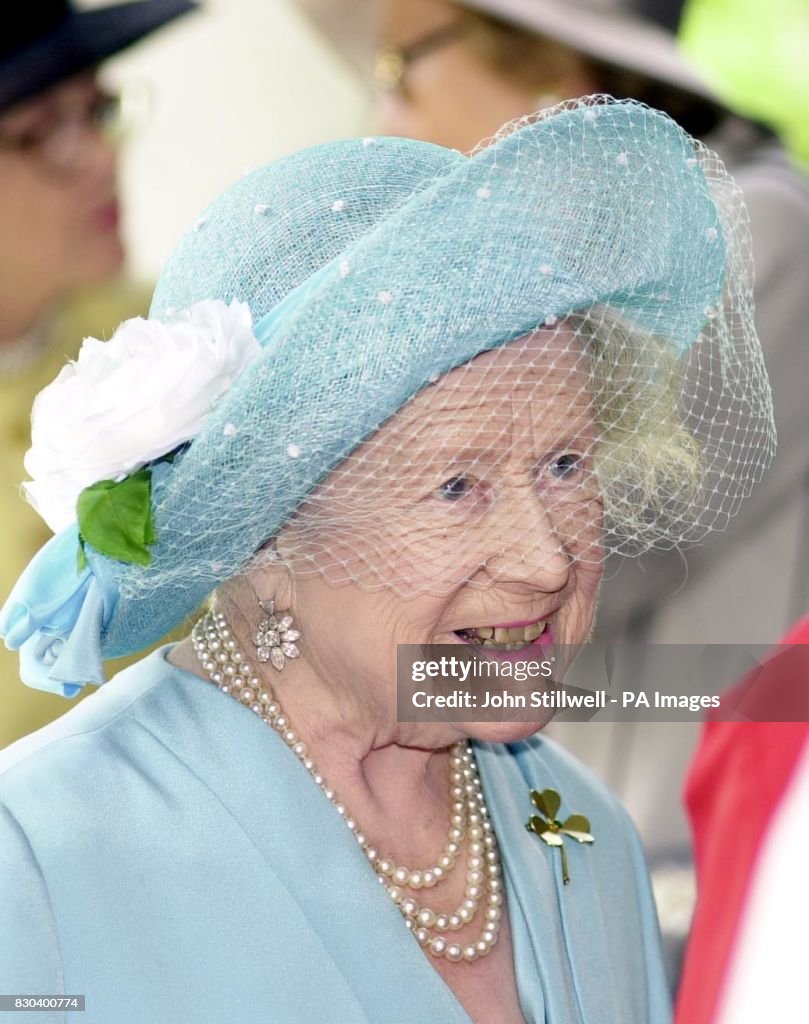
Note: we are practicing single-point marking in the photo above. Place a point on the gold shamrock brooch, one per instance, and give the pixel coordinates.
(552, 831)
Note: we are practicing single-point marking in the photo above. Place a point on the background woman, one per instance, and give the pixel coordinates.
(61, 252)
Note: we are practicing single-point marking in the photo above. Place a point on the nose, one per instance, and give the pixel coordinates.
(530, 550)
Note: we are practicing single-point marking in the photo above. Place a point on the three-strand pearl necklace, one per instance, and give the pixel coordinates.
(228, 668)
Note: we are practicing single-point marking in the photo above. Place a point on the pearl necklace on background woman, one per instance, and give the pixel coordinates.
(227, 667)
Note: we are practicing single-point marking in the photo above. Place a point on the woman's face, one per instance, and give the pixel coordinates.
(450, 95)
(474, 508)
(58, 195)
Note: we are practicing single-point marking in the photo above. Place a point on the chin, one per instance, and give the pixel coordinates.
(504, 732)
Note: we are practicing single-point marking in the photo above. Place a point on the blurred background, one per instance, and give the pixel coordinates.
(237, 84)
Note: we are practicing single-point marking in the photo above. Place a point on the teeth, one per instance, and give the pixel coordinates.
(511, 638)
(535, 630)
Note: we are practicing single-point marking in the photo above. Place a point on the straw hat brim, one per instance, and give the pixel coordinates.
(565, 212)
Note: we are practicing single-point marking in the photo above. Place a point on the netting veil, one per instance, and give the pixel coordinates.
(473, 368)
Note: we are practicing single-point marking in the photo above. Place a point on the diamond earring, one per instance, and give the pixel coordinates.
(275, 638)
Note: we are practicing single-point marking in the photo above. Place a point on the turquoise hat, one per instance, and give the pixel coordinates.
(371, 267)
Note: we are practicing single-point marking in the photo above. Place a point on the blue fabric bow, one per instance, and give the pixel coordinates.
(55, 616)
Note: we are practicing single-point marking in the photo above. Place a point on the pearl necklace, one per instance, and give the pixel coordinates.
(227, 667)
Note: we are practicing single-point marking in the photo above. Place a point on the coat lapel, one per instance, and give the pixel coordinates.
(569, 969)
(304, 846)
(561, 947)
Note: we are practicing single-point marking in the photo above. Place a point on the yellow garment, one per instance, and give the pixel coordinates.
(95, 314)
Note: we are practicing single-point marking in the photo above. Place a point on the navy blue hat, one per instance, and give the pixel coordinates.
(49, 40)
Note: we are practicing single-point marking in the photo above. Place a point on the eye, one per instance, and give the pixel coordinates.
(456, 487)
(566, 466)
(28, 139)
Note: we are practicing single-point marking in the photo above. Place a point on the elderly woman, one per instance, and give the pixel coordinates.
(390, 394)
(451, 72)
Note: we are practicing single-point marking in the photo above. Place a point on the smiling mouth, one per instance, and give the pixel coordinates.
(503, 638)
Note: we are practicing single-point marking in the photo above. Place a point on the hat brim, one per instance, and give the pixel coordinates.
(620, 38)
(477, 255)
(81, 41)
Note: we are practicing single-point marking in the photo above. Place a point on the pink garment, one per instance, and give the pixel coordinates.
(738, 777)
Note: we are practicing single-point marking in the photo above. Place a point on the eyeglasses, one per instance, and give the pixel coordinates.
(392, 62)
(57, 138)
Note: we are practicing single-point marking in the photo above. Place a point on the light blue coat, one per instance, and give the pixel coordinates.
(164, 853)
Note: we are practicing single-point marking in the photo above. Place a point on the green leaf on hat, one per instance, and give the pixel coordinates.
(81, 557)
(115, 517)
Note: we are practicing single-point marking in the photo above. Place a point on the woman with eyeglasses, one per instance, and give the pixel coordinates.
(61, 251)
(451, 71)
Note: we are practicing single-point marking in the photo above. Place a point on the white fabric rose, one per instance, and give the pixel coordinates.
(129, 400)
